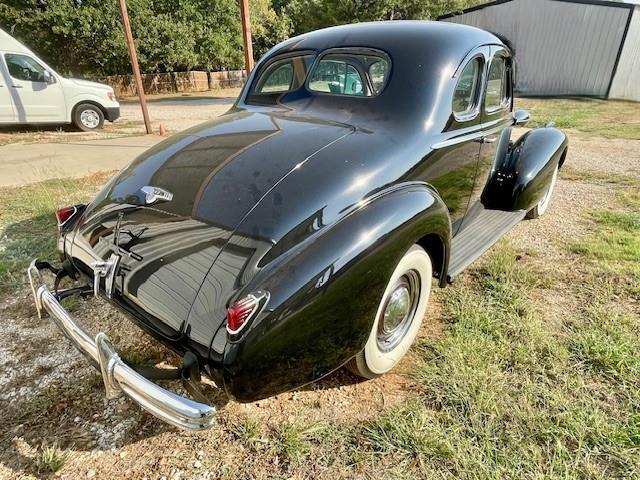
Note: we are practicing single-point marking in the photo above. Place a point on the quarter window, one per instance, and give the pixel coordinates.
(22, 67)
(497, 94)
(465, 96)
(378, 73)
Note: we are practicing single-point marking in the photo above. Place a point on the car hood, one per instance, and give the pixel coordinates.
(87, 83)
(207, 180)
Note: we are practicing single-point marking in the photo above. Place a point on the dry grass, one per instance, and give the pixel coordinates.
(602, 118)
(531, 372)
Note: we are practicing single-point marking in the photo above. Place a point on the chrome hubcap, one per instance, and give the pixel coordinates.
(90, 118)
(399, 310)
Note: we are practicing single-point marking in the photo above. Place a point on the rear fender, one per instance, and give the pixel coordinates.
(521, 178)
(324, 296)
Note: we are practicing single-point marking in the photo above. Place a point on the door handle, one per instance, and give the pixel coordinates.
(16, 86)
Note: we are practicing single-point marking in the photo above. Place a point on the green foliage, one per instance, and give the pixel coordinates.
(85, 38)
(170, 35)
(313, 14)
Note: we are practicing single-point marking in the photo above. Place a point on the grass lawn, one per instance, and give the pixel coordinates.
(28, 225)
(505, 393)
(603, 118)
(535, 374)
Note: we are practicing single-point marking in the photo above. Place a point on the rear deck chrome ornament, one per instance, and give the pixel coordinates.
(107, 270)
(155, 194)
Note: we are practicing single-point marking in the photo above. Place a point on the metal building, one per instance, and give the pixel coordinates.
(567, 47)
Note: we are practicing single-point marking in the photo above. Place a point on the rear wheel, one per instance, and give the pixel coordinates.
(399, 315)
(88, 117)
(544, 202)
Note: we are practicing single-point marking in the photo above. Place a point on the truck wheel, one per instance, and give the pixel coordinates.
(544, 202)
(399, 315)
(88, 117)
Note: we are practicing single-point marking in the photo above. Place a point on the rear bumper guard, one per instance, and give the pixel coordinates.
(119, 377)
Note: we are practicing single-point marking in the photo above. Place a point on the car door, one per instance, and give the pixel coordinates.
(496, 120)
(7, 114)
(452, 168)
(34, 98)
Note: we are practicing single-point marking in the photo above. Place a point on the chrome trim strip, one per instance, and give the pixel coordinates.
(471, 136)
(118, 377)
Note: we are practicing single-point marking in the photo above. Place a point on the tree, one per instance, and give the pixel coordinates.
(307, 15)
(85, 38)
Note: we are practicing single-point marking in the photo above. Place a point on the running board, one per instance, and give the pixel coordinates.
(478, 236)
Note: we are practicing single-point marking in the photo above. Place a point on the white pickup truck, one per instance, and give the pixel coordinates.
(31, 92)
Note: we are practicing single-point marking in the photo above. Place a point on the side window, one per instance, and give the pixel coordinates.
(497, 95)
(22, 67)
(284, 75)
(378, 73)
(465, 95)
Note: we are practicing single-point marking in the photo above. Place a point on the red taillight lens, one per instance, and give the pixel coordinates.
(65, 213)
(239, 314)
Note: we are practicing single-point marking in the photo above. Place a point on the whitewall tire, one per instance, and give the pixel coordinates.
(544, 202)
(399, 315)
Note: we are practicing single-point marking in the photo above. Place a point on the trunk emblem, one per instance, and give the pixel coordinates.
(155, 194)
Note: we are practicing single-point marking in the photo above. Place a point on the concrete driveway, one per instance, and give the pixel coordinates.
(71, 154)
(21, 164)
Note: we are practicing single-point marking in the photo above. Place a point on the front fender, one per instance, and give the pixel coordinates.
(521, 178)
(325, 295)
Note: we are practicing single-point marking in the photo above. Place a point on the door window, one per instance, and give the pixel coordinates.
(22, 67)
(465, 95)
(497, 95)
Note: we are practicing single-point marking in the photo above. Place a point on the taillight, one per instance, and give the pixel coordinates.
(65, 213)
(111, 96)
(241, 312)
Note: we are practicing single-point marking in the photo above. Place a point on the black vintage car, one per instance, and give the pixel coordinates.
(301, 231)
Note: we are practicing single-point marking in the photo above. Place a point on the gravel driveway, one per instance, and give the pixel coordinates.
(59, 397)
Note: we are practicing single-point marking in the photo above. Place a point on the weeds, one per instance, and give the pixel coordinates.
(49, 459)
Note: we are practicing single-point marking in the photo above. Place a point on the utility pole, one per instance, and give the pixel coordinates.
(246, 35)
(134, 63)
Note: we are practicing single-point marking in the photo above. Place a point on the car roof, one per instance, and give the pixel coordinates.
(10, 44)
(419, 37)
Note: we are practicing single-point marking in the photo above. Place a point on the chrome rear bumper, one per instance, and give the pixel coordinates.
(118, 377)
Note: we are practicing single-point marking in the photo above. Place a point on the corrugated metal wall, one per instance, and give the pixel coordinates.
(626, 83)
(562, 48)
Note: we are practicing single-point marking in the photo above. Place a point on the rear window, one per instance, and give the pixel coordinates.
(354, 75)
(280, 77)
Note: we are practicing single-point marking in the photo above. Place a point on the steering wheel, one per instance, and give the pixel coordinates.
(26, 73)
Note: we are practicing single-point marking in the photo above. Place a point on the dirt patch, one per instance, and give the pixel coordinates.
(50, 395)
